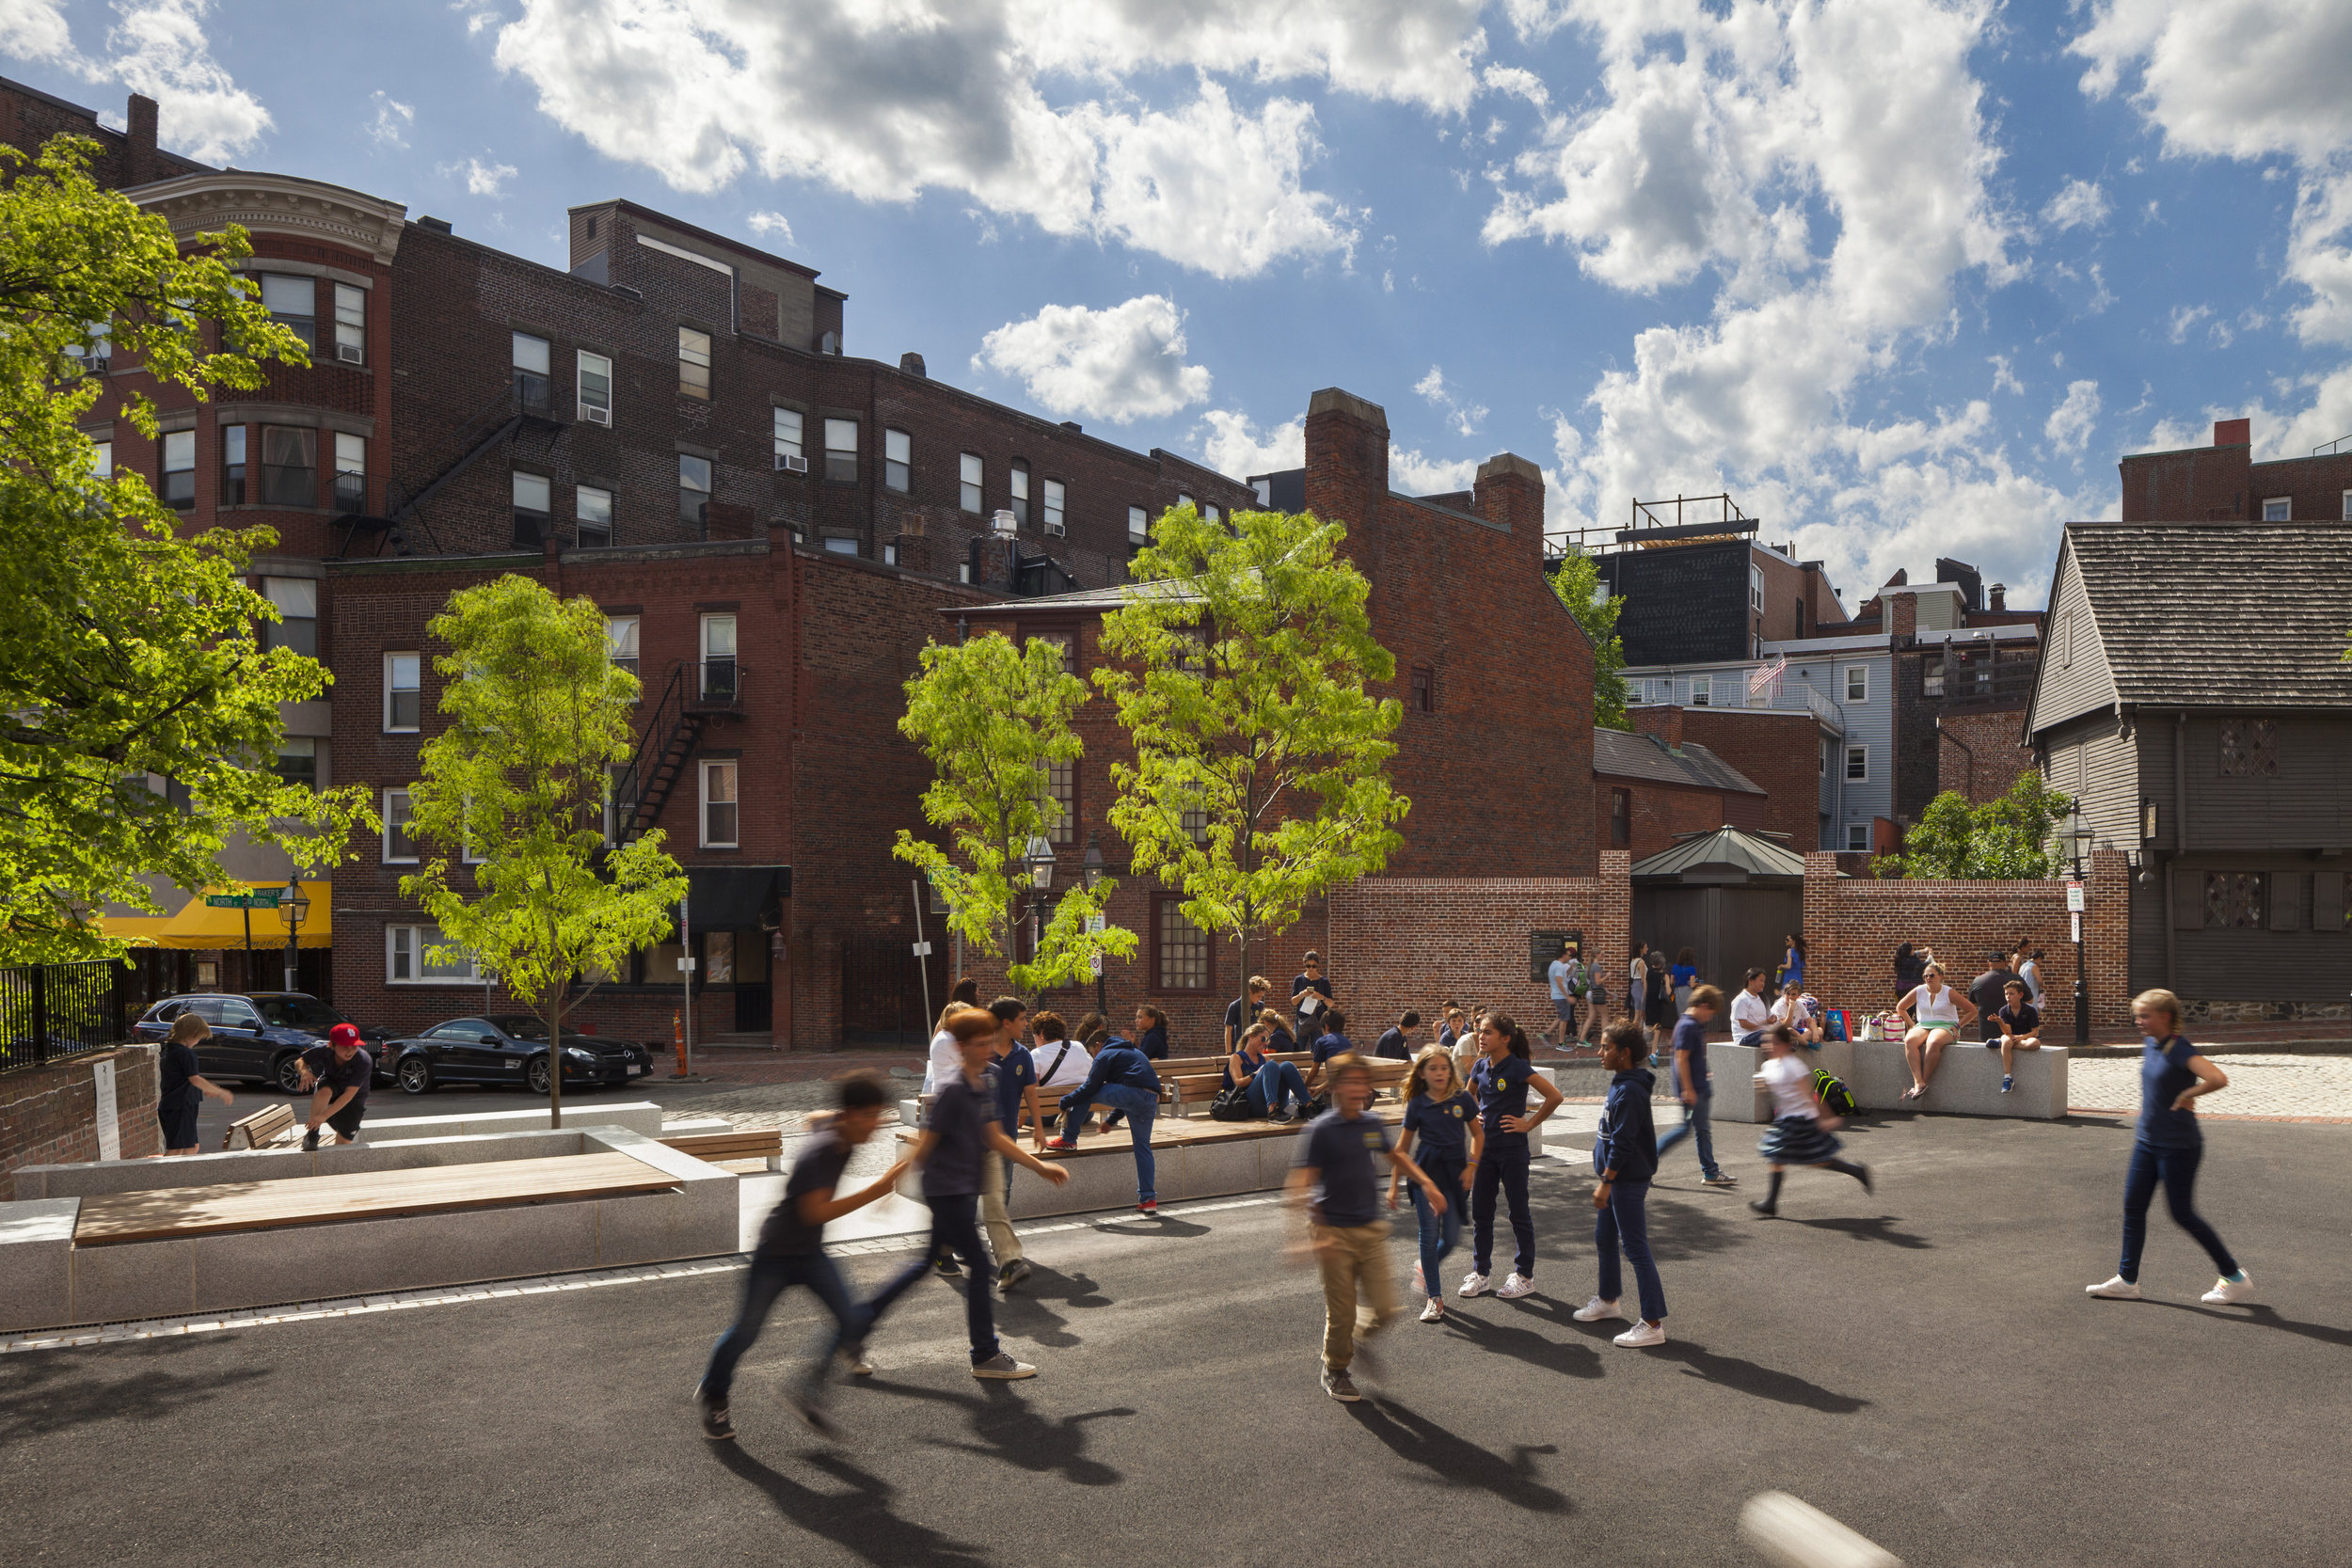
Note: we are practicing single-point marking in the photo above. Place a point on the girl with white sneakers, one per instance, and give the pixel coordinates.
(2172, 1077)
(1626, 1154)
(1500, 1082)
(1442, 1136)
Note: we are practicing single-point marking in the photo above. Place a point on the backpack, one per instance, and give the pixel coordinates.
(1232, 1105)
(1835, 1097)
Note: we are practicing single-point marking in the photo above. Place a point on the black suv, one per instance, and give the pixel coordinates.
(258, 1037)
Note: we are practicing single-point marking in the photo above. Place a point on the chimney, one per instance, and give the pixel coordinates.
(2000, 596)
(1509, 491)
(1347, 458)
(2233, 432)
(1903, 616)
(138, 142)
(912, 363)
(1663, 721)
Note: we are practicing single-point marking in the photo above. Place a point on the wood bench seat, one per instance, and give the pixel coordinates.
(743, 1145)
(260, 1130)
(169, 1213)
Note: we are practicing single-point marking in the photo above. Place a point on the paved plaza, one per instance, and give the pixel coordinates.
(1921, 1363)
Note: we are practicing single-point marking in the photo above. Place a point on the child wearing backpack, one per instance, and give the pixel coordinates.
(1800, 1133)
(1626, 1154)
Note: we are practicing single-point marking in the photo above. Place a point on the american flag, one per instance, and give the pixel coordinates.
(1767, 675)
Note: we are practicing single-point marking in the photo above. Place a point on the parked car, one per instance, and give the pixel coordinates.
(509, 1048)
(260, 1035)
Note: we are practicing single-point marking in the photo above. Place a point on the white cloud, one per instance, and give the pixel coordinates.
(1229, 443)
(774, 225)
(392, 121)
(2070, 423)
(1123, 363)
(2319, 257)
(2081, 205)
(159, 49)
(888, 101)
(37, 30)
(1411, 474)
(2185, 320)
(1515, 83)
(1463, 415)
(481, 178)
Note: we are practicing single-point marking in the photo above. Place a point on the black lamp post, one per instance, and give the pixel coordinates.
(291, 907)
(1038, 855)
(1090, 873)
(2079, 835)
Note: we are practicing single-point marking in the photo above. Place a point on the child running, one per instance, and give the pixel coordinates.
(2170, 1145)
(1626, 1154)
(1442, 1135)
(791, 1251)
(1332, 1177)
(1501, 1080)
(1800, 1133)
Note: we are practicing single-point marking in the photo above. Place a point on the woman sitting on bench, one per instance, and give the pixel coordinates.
(1935, 1013)
(1271, 1086)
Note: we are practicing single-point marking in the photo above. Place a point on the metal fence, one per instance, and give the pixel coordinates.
(48, 1012)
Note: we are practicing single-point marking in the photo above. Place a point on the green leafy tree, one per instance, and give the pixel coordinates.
(2008, 839)
(128, 654)
(1260, 773)
(992, 717)
(539, 716)
(1578, 584)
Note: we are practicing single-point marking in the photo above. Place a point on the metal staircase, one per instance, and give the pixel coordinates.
(506, 417)
(697, 693)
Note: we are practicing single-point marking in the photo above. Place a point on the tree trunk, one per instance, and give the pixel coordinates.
(553, 1018)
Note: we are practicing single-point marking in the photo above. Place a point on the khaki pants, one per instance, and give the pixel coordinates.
(1358, 1289)
(995, 1174)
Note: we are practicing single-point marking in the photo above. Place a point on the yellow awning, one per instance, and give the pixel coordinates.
(146, 930)
(200, 928)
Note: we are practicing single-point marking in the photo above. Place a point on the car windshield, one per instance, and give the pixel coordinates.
(521, 1026)
(299, 1012)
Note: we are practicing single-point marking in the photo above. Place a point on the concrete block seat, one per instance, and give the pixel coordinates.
(1967, 1080)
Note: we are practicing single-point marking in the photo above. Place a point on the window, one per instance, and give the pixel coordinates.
(694, 490)
(790, 456)
(1054, 507)
(1061, 790)
(180, 469)
(232, 465)
(1138, 526)
(1180, 949)
(101, 456)
(2234, 900)
(1858, 838)
(1425, 690)
(719, 805)
(399, 845)
(694, 364)
(592, 508)
(531, 386)
(1066, 644)
(620, 640)
(2279, 509)
(718, 684)
(1857, 683)
(2066, 639)
(1195, 823)
(898, 460)
(290, 465)
(293, 303)
(620, 800)
(351, 473)
(970, 472)
(404, 697)
(298, 624)
(351, 324)
(533, 501)
(838, 544)
(1182, 500)
(594, 392)
(1824, 759)
(1212, 513)
(1021, 493)
(1858, 764)
(1701, 691)
(2250, 749)
(1755, 588)
(98, 353)
(408, 958)
(1620, 818)
(841, 450)
(2347, 506)
(298, 761)
(890, 555)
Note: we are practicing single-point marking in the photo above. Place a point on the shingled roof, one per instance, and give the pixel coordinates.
(1620, 756)
(2221, 614)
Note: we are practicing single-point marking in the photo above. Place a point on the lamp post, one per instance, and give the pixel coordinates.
(1038, 857)
(1090, 873)
(2079, 836)
(291, 907)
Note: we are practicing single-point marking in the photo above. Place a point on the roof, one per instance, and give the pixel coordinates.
(1726, 849)
(1085, 601)
(1621, 756)
(2220, 614)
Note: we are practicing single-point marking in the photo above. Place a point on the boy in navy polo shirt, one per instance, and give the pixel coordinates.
(1333, 1041)
(1332, 1179)
(1013, 1076)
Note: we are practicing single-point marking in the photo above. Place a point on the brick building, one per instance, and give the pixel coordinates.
(1653, 786)
(1780, 754)
(2223, 483)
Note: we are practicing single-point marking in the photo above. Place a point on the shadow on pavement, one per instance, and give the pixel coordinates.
(1879, 1229)
(1565, 1356)
(1458, 1461)
(1163, 1225)
(2267, 1317)
(1010, 1431)
(860, 1521)
(1025, 1312)
(55, 1391)
(1679, 1231)
(1746, 1377)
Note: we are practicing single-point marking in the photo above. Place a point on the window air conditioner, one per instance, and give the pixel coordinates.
(791, 462)
(595, 416)
(348, 353)
(1056, 531)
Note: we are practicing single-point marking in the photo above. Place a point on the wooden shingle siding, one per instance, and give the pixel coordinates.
(2067, 685)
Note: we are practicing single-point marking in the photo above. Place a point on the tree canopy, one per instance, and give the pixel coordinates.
(2008, 839)
(1578, 584)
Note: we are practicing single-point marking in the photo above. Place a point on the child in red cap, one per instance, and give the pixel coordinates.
(338, 1073)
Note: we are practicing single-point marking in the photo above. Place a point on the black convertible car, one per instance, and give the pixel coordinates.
(508, 1048)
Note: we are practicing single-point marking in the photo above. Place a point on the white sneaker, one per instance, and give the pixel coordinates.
(2224, 1291)
(1641, 1335)
(1420, 1284)
(1433, 1311)
(1473, 1284)
(2118, 1288)
(1598, 1310)
(1517, 1286)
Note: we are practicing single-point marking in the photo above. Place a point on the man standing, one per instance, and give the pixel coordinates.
(1989, 991)
(1239, 1016)
(1013, 1075)
(1692, 1084)
(341, 1071)
(1567, 984)
(1124, 1079)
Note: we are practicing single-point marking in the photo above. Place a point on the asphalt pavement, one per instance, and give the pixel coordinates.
(1921, 1363)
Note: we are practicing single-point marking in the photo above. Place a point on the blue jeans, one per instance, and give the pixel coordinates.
(1696, 1123)
(1273, 1087)
(1439, 1233)
(956, 1231)
(1505, 1167)
(1626, 1223)
(770, 1277)
(1141, 1106)
(2177, 1169)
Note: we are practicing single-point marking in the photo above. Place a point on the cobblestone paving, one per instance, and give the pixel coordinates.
(2298, 1085)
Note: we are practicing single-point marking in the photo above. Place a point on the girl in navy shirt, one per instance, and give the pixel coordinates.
(1152, 1032)
(2173, 1076)
(1626, 1154)
(1442, 1135)
(1500, 1082)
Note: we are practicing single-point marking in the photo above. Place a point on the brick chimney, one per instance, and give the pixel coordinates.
(1663, 721)
(1998, 595)
(1903, 614)
(138, 142)
(1510, 491)
(2233, 432)
(1347, 457)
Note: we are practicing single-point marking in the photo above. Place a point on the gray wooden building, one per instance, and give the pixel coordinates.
(2193, 696)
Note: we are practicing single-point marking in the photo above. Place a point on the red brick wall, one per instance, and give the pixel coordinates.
(1778, 752)
(1852, 927)
(49, 1115)
(1980, 754)
(1661, 811)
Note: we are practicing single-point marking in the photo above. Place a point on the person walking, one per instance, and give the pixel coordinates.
(1332, 1180)
(181, 1088)
(1013, 1077)
(1657, 1002)
(2027, 961)
(1124, 1079)
(1792, 960)
(1311, 994)
(1566, 976)
(1442, 1134)
(791, 1251)
(1800, 1133)
(1625, 1151)
(944, 1064)
(1695, 1085)
(337, 1076)
(1637, 978)
(1500, 1082)
(2168, 1150)
(1684, 974)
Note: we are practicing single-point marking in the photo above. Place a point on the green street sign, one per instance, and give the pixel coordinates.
(259, 898)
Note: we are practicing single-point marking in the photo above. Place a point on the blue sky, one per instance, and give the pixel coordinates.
(1905, 276)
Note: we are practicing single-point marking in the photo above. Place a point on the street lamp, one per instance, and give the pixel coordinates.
(1039, 858)
(1090, 873)
(291, 907)
(2079, 836)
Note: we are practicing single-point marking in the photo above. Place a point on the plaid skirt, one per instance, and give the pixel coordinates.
(1797, 1141)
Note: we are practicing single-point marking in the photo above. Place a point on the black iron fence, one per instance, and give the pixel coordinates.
(48, 1012)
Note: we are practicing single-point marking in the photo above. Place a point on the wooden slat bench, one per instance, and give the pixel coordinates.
(718, 1147)
(263, 1128)
(167, 1212)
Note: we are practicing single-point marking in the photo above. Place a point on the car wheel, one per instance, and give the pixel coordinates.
(286, 1072)
(414, 1076)
(535, 1075)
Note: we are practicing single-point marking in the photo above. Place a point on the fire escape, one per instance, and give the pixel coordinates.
(524, 410)
(698, 693)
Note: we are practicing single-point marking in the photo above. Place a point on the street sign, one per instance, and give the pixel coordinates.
(922, 949)
(2077, 918)
(256, 898)
(2074, 898)
(1095, 924)
(1094, 965)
